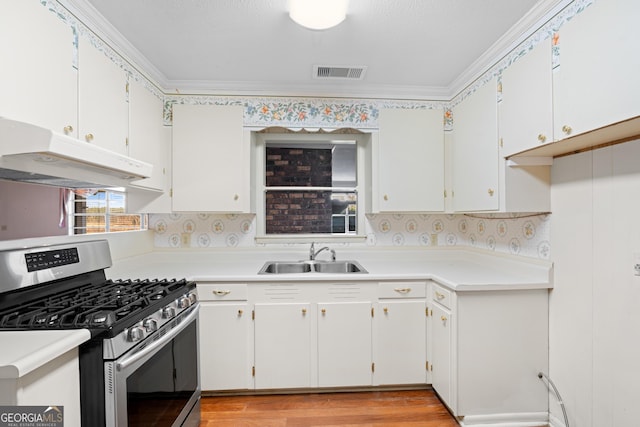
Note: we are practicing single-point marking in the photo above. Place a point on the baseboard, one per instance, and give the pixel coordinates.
(521, 419)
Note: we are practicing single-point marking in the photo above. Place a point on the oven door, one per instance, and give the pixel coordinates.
(157, 384)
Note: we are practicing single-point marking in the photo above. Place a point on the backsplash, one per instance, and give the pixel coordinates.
(525, 235)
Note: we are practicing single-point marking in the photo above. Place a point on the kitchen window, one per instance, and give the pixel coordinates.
(310, 186)
(103, 211)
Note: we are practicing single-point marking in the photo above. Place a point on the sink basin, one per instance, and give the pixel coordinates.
(339, 267)
(285, 267)
(291, 267)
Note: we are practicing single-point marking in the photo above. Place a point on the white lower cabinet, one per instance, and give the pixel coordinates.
(282, 345)
(224, 337)
(224, 346)
(487, 348)
(344, 344)
(400, 323)
(440, 364)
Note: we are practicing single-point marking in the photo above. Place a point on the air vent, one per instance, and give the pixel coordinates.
(332, 72)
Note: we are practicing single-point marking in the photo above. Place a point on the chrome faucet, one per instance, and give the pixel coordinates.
(313, 253)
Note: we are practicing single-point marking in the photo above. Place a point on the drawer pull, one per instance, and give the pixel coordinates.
(304, 311)
(221, 292)
(386, 310)
(323, 311)
(240, 312)
(439, 295)
(403, 290)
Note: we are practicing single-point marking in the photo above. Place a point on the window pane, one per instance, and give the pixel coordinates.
(298, 167)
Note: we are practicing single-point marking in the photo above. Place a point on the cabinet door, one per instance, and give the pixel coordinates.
(475, 151)
(282, 346)
(344, 344)
(224, 337)
(410, 161)
(441, 353)
(401, 346)
(210, 159)
(38, 81)
(526, 116)
(597, 81)
(103, 112)
(147, 139)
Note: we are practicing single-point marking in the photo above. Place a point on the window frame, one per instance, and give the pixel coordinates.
(363, 142)
(75, 230)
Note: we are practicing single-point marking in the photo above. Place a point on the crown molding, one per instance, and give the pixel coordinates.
(516, 35)
(88, 16)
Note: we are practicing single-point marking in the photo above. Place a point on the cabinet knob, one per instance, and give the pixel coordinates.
(490, 191)
(385, 197)
(542, 138)
(567, 129)
(88, 137)
(439, 295)
(323, 311)
(236, 197)
(304, 311)
(443, 318)
(68, 129)
(386, 310)
(240, 312)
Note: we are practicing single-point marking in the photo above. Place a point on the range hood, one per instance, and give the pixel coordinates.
(37, 155)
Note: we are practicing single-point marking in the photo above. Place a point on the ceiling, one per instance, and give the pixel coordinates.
(412, 49)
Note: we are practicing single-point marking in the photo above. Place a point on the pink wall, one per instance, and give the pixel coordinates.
(29, 210)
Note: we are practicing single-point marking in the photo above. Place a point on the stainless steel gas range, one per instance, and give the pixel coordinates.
(140, 366)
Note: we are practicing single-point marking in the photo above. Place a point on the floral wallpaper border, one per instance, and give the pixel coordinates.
(526, 235)
(313, 113)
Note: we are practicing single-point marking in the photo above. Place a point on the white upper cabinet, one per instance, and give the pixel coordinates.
(526, 110)
(409, 161)
(147, 139)
(597, 82)
(210, 159)
(38, 81)
(103, 112)
(475, 151)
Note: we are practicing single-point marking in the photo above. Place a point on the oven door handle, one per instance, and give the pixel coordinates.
(128, 361)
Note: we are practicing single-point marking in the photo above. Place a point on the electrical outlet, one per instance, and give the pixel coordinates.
(434, 240)
(186, 239)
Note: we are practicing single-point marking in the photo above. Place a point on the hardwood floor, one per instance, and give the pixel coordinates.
(359, 409)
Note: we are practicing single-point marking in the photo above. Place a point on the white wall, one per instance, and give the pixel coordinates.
(595, 303)
(29, 210)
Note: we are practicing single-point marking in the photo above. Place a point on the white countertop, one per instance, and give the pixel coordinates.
(25, 351)
(458, 269)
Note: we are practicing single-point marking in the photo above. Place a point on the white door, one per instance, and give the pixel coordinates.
(401, 346)
(38, 80)
(103, 111)
(224, 338)
(441, 353)
(475, 151)
(344, 344)
(282, 345)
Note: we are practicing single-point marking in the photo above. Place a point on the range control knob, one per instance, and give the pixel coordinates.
(184, 302)
(193, 297)
(168, 312)
(151, 325)
(136, 333)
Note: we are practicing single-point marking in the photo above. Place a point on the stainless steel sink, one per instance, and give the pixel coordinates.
(285, 267)
(338, 267)
(291, 267)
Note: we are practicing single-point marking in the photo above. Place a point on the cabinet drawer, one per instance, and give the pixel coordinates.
(441, 295)
(223, 292)
(402, 290)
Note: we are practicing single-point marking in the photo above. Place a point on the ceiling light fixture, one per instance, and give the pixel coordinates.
(318, 14)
